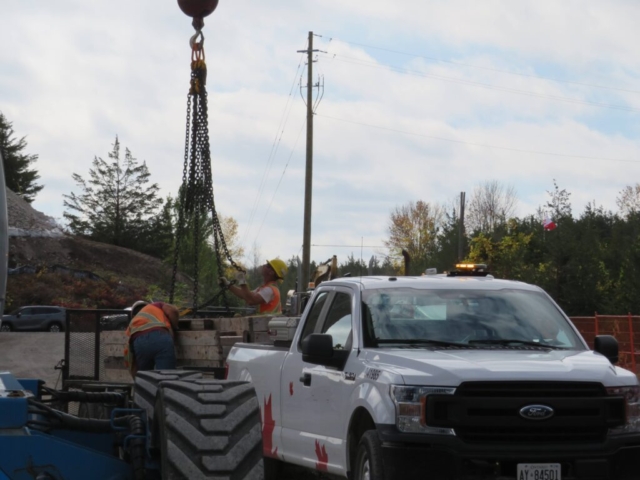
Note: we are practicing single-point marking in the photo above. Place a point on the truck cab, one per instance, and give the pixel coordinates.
(459, 375)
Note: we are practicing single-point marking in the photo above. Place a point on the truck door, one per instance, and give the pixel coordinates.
(320, 394)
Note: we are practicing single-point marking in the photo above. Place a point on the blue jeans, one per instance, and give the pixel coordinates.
(155, 351)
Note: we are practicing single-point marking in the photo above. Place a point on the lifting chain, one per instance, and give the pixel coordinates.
(196, 193)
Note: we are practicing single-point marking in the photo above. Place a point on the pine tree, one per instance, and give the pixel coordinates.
(18, 176)
(116, 205)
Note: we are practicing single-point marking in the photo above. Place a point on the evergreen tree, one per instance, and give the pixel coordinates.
(117, 205)
(18, 176)
(156, 236)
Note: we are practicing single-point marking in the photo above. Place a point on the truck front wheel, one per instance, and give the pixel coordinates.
(368, 464)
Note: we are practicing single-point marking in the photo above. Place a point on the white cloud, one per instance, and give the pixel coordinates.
(76, 74)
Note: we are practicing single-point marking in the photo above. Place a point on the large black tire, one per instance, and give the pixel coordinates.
(147, 383)
(6, 327)
(368, 465)
(209, 429)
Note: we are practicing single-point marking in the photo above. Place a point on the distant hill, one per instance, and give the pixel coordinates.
(37, 242)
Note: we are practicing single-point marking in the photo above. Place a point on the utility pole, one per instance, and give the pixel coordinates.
(308, 181)
(461, 228)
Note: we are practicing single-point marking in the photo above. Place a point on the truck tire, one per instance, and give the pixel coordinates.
(368, 464)
(147, 383)
(209, 429)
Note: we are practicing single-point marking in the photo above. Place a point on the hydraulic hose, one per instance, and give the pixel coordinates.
(113, 398)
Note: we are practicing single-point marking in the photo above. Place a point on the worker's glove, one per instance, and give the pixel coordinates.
(224, 283)
(241, 279)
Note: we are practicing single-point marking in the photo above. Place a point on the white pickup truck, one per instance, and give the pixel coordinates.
(458, 376)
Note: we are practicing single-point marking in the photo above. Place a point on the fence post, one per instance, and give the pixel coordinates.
(633, 349)
(596, 324)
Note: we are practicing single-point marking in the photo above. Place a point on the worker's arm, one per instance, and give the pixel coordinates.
(247, 295)
(172, 314)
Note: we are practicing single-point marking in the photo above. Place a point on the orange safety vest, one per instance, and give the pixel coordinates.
(273, 307)
(147, 318)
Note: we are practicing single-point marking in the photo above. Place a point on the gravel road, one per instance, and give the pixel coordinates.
(33, 355)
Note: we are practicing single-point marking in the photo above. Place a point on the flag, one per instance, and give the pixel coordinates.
(549, 224)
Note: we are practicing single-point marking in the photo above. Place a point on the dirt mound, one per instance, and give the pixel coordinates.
(36, 240)
(82, 254)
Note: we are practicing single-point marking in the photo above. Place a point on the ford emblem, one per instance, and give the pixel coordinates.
(536, 412)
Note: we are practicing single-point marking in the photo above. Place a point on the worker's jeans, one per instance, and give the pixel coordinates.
(154, 351)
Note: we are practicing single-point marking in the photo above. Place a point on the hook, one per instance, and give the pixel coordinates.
(193, 40)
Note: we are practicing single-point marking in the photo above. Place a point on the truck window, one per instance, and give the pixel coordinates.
(338, 321)
(465, 316)
(314, 315)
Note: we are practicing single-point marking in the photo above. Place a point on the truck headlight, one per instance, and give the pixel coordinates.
(632, 400)
(411, 404)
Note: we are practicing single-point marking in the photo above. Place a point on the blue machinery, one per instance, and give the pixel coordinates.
(40, 442)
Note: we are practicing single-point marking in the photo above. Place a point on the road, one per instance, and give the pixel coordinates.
(34, 355)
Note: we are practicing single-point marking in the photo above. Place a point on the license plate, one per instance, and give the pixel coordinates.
(538, 471)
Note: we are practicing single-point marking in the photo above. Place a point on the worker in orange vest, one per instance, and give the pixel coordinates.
(150, 337)
(267, 296)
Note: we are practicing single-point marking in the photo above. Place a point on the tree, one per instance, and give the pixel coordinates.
(116, 203)
(629, 200)
(156, 236)
(414, 227)
(18, 176)
(229, 227)
(491, 205)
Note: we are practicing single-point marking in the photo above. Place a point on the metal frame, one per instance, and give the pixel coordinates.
(97, 330)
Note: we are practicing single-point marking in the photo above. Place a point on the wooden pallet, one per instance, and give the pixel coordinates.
(199, 343)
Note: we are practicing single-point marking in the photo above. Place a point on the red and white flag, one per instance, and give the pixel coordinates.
(549, 224)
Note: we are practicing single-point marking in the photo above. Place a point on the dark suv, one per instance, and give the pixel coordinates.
(37, 318)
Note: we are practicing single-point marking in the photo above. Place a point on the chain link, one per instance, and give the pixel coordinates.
(196, 193)
(181, 199)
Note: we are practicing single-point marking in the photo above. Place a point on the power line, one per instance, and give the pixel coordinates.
(280, 181)
(274, 151)
(351, 246)
(365, 63)
(497, 147)
(491, 69)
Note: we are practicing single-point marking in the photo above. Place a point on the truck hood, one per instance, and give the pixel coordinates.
(452, 367)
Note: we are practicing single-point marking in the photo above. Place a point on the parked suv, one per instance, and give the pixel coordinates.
(35, 318)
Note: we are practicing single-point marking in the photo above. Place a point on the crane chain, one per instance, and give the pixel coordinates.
(196, 194)
(181, 199)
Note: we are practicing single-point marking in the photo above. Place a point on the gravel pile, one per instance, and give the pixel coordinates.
(25, 221)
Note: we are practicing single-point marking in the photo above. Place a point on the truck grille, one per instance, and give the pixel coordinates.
(489, 412)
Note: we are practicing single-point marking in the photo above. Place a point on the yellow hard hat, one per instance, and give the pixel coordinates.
(278, 266)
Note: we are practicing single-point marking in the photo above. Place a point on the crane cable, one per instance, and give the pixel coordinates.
(196, 193)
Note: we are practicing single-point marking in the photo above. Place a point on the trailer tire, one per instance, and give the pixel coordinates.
(369, 458)
(147, 383)
(209, 429)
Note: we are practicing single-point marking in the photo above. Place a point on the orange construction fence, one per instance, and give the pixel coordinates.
(626, 329)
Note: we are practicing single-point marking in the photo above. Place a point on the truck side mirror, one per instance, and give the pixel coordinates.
(318, 349)
(607, 345)
(317, 345)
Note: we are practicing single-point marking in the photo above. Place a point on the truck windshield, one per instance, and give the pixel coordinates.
(469, 317)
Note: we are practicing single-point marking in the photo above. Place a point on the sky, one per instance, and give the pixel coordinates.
(423, 99)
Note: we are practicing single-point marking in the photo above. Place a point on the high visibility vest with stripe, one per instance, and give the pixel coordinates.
(149, 317)
(273, 307)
